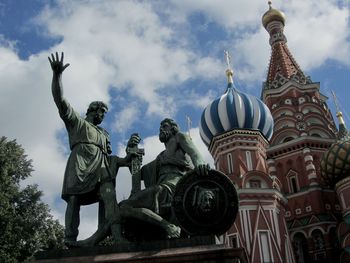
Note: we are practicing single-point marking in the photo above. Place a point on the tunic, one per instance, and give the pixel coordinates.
(88, 161)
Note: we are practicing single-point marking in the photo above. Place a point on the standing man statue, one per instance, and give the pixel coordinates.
(91, 170)
(152, 205)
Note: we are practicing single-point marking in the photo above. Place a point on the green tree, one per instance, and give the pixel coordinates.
(26, 225)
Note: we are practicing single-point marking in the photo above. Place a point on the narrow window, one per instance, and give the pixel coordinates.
(293, 184)
(229, 164)
(248, 157)
(265, 247)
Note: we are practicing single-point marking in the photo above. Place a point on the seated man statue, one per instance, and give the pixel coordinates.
(161, 176)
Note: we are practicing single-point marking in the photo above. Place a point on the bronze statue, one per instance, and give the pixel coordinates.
(153, 204)
(91, 169)
(181, 191)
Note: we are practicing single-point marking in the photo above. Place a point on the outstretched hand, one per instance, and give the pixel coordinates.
(57, 65)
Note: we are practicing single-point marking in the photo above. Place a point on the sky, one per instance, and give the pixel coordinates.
(148, 60)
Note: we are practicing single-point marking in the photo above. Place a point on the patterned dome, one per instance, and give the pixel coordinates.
(235, 110)
(273, 15)
(335, 164)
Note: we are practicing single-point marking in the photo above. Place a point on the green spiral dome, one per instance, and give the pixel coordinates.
(335, 164)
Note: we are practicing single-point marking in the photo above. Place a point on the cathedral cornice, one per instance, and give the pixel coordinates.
(298, 144)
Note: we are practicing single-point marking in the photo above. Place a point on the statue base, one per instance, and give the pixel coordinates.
(195, 249)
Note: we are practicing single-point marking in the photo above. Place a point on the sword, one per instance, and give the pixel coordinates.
(136, 162)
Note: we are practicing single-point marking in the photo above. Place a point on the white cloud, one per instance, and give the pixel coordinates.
(124, 119)
(229, 14)
(132, 50)
(316, 31)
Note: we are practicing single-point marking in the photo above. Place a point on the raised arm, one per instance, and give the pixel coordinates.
(57, 67)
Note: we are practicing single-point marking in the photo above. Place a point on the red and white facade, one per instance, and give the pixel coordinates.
(286, 212)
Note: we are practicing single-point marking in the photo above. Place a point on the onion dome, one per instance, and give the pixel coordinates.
(335, 163)
(235, 110)
(272, 15)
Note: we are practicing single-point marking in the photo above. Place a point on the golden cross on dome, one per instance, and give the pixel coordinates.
(228, 59)
(335, 101)
(189, 124)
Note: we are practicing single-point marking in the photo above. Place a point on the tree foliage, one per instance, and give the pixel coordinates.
(26, 225)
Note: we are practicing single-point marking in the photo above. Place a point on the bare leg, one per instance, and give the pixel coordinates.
(147, 215)
(112, 214)
(109, 218)
(72, 219)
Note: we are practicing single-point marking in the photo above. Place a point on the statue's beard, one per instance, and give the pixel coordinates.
(164, 136)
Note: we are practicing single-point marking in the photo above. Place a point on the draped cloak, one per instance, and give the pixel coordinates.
(88, 161)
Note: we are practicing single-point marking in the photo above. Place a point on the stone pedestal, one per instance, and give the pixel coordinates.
(181, 250)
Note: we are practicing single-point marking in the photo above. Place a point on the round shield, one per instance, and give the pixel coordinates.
(205, 205)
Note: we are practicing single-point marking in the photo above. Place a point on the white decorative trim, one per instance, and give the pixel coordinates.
(277, 227)
(312, 175)
(306, 150)
(310, 166)
(308, 158)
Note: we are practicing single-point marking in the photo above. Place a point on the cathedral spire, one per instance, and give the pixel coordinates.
(283, 67)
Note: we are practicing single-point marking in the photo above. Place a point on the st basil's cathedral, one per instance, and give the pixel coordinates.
(288, 160)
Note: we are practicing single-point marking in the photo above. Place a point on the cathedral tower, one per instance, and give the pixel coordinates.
(304, 129)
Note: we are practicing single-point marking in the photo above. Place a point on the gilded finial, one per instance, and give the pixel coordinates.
(229, 71)
(343, 133)
(339, 114)
(272, 15)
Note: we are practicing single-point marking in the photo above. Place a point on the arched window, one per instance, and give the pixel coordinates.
(293, 181)
(255, 183)
(300, 248)
(319, 244)
(229, 163)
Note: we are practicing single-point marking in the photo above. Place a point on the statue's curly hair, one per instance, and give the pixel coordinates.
(95, 105)
(174, 126)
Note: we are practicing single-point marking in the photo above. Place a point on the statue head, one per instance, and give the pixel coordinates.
(168, 128)
(96, 111)
(206, 199)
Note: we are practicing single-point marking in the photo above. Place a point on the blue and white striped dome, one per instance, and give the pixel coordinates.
(235, 110)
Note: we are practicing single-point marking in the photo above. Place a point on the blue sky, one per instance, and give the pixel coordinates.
(148, 60)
